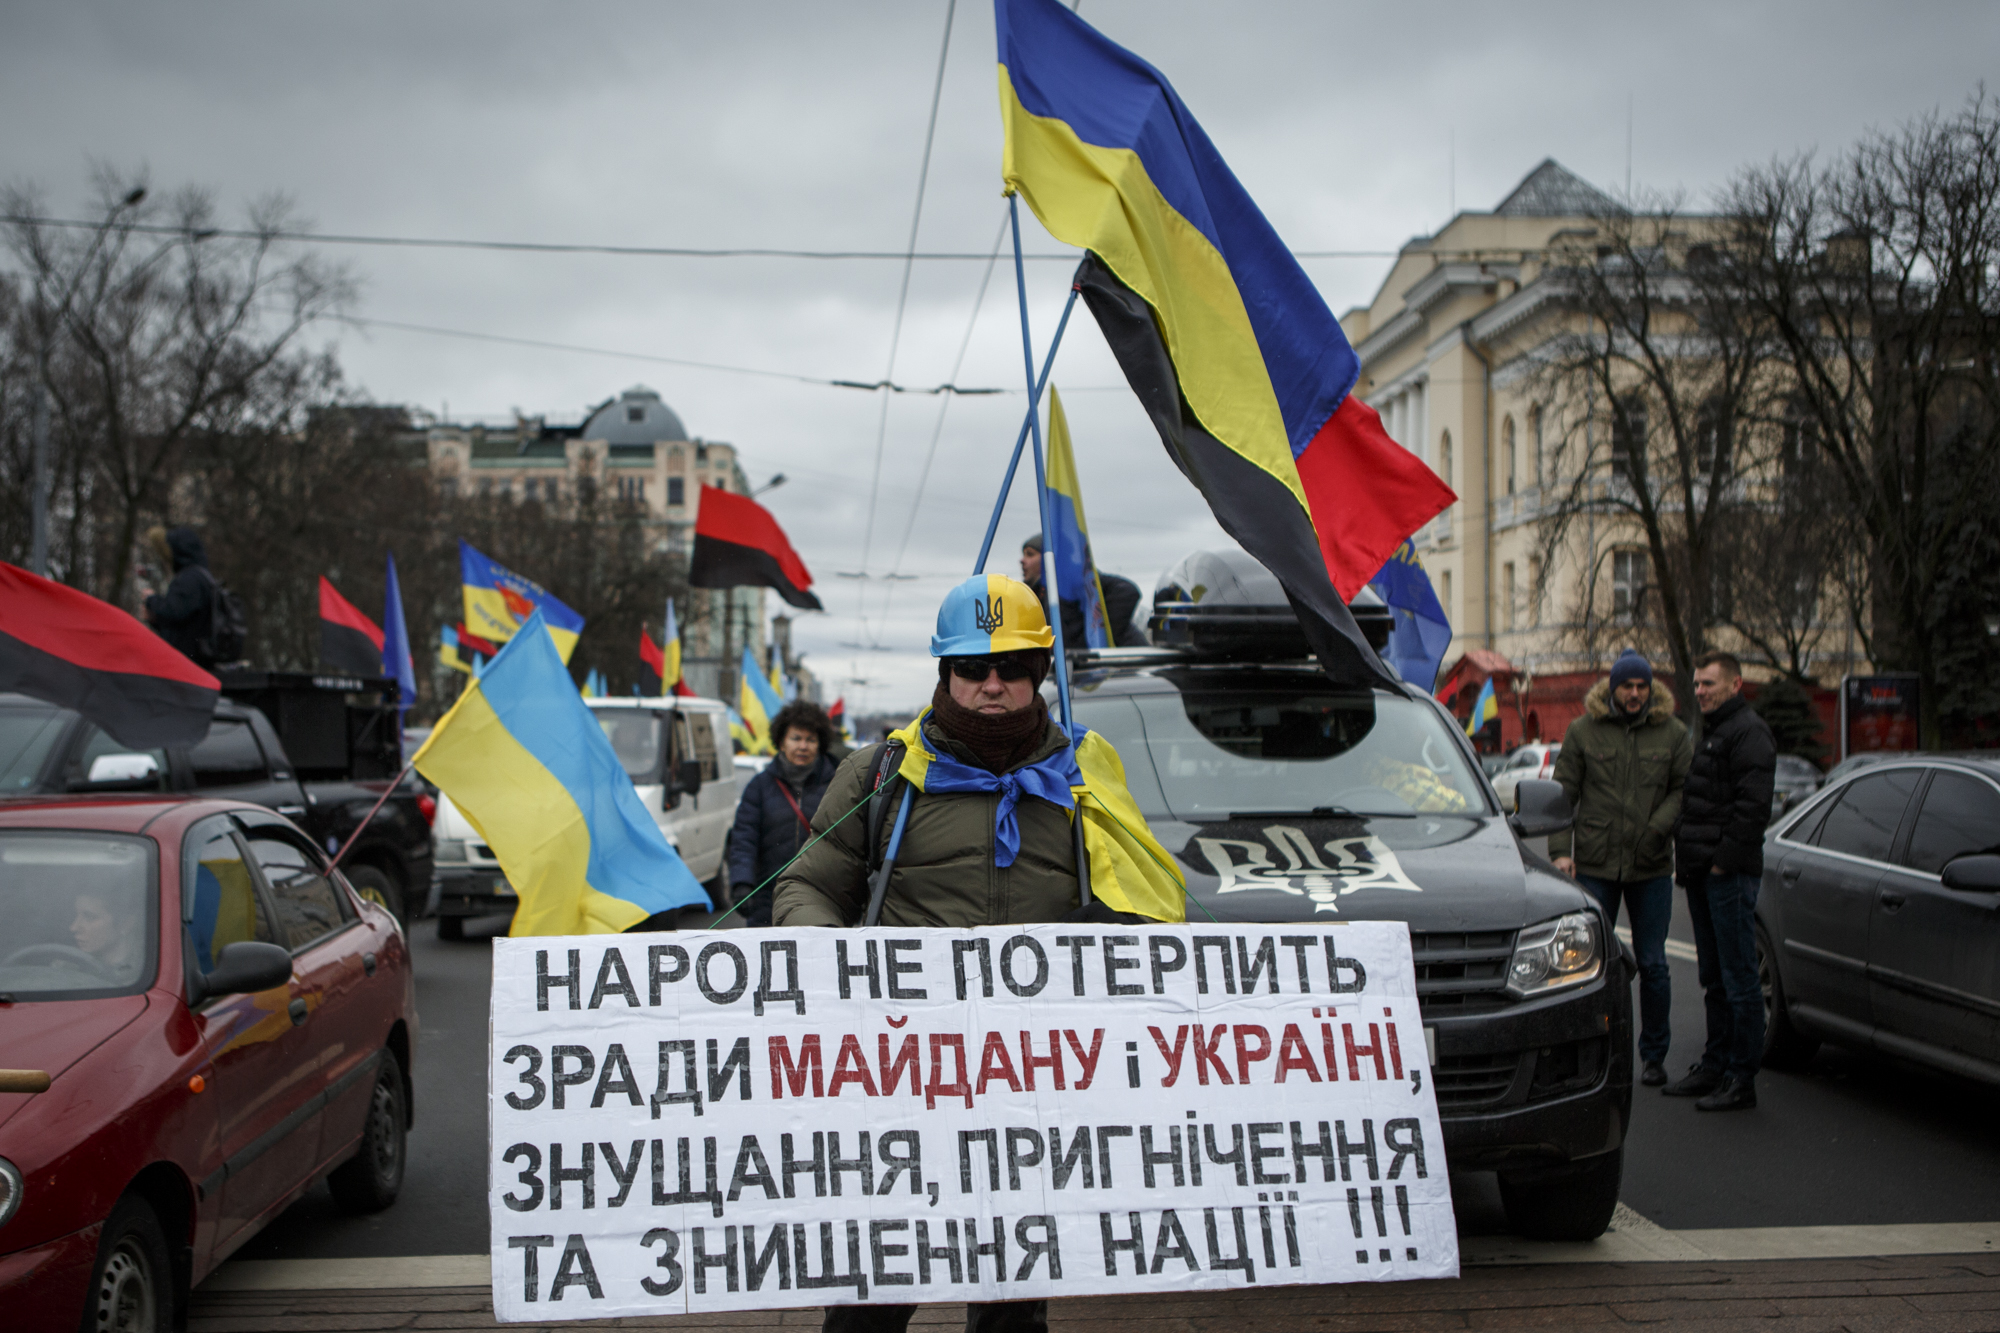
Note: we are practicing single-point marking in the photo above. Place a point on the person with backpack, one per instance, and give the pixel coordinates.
(774, 814)
(973, 821)
(185, 613)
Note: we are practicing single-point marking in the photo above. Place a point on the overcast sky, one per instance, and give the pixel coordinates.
(802, 125)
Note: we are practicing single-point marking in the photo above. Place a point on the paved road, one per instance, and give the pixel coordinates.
(1853, 1140)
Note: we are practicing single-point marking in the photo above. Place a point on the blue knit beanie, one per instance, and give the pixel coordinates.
(1630, 666)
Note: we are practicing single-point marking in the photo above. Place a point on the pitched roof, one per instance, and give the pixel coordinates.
(1551, 190)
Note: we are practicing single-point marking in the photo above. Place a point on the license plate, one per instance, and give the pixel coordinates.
(1431, 1045)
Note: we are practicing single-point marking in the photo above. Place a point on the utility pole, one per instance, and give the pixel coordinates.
(38, 551)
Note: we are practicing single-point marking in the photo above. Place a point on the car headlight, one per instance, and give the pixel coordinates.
(10, 1190)
(448, 849)
(1555, 954)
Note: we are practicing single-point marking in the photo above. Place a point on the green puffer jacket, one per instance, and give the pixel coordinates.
(1624, 782)
(944, 873)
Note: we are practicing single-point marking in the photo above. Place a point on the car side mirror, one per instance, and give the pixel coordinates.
(246, 967)
(1979, 873)
(687, 776)
(120, 772)
(1541, 807)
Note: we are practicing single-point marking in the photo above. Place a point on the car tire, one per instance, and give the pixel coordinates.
(451, 928)
(1785, 1047)
(376, 887)
(370, 1180)
(132, 1284)
(1573, 1205)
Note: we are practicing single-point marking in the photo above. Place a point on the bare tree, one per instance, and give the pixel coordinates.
(1657, 391)
(152, 331)
(1877, 274)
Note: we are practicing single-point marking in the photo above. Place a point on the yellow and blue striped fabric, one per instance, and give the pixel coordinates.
(498, 602)
(524, 759)
(758, 703)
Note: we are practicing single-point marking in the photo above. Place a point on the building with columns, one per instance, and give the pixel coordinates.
(1448, 349)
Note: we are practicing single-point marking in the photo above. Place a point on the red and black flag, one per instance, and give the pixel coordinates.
(653, 663)
(69, 649)
(348, 639)
(738, 544)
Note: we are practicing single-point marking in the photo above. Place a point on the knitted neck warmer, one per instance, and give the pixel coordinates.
(997, 742)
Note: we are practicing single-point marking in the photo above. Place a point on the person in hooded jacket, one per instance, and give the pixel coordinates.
(1121, 599)
(184, 614)
(1622, 765)
(774, 815)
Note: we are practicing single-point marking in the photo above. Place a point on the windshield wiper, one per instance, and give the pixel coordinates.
(1319, 811)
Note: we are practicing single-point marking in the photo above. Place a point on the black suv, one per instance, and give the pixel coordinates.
(1287, 798)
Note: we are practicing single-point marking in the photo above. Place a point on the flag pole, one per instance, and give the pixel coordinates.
(1035, 389)
(1050, 581)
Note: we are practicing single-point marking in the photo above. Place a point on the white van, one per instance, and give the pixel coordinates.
(678, 755)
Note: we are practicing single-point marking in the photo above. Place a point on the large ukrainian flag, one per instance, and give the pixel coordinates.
(526, 762)
(498, 602)
(1230, 348)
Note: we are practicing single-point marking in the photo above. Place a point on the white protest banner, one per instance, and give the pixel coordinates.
(756, 1119)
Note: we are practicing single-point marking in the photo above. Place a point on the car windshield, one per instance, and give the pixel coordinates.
(635, 734)
(1239, 743)
(26, 736)
(81, 912)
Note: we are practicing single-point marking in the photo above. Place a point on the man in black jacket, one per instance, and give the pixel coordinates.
(184, 614)
(1719, 860)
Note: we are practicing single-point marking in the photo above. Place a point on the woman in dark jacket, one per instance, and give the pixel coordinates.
(774, 815)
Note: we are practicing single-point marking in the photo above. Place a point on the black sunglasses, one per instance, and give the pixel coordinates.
(977, 668)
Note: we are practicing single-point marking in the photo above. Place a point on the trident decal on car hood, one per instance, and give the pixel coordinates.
(1349, 864)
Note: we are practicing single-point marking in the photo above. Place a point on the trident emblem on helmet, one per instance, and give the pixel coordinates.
(986, 613)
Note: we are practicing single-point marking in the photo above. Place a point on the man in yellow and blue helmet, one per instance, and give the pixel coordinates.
(995, 783)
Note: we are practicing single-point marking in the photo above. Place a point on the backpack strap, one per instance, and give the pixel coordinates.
(887, 763)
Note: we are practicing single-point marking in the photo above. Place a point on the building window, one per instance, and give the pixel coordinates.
(1535, 440)
(1444, 458)
(632, 489)
(1712, 436)
(676, 491)
(1444, 593)
(1628, 585)
(1510, 593)
(700, 454)
(1628, 434)
(1535, 591)
(635, 414)
(1507, 454)
(676, 456)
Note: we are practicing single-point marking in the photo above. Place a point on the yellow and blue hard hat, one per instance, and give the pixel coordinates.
(990, 613)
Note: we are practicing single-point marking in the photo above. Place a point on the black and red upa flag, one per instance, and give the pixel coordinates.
(69, 649)
(348, 639)
(738, 544)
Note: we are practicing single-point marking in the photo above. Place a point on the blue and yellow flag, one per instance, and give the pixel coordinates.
(1485, 708)
(525, 761)
(498, 602)
(1245, 372)
(449, 654)
(758, 703)
(670, 652)
(740, 733)
(1419, 634)
(1068, 539)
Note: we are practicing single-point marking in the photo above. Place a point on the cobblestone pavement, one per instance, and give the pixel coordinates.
(1939, 1294)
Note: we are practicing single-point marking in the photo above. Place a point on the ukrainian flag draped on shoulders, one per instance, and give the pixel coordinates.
(523, 758)
(1129, 870)
(1245, 372)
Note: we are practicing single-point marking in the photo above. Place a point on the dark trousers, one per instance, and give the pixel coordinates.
(997, 1317)
(1723, 910)
(1649, 903)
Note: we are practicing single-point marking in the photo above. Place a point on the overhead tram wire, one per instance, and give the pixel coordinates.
(896, 330)
(937, 428)
(616, 251)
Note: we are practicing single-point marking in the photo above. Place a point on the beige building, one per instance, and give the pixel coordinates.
(634, 447)
(1448, 350)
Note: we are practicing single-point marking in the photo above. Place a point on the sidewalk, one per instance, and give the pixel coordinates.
(1927, 1294)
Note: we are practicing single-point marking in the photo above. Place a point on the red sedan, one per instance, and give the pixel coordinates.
(197, 1022)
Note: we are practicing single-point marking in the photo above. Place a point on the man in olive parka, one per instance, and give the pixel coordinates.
(1622, 765)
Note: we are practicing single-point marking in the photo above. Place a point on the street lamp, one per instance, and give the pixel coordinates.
(777, 480)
